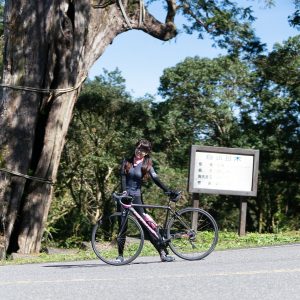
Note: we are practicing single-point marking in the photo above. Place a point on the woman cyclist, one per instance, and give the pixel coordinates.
(134, 171)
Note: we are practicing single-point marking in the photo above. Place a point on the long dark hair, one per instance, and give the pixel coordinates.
(143, 145)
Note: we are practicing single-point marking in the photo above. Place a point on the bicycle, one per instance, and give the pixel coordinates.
(191, 233)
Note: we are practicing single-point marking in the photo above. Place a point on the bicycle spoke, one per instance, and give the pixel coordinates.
(113, 237)
(193, 234)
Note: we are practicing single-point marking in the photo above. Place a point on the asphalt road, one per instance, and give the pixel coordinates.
(257, 273)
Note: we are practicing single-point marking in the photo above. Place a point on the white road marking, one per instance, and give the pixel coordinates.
(241, 273)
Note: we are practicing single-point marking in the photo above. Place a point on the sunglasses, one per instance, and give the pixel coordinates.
(141, 152)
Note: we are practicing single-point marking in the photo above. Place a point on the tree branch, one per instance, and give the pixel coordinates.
(163, 31)
(187, 8)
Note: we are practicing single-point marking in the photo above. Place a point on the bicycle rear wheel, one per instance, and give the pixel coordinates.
(193, 233)
(115, 236)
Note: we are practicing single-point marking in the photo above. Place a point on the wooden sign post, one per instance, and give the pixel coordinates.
(243, 214)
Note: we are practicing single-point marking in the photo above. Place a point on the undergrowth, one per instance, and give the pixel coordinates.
(227, 240)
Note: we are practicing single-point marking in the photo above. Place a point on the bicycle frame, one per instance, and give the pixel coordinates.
(130, 208)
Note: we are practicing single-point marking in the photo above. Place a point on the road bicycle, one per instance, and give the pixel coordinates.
(191, 233)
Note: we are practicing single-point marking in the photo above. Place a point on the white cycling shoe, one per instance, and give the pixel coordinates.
(166, 258)
(119, 259)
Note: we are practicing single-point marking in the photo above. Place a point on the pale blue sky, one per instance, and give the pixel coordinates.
(142, 58)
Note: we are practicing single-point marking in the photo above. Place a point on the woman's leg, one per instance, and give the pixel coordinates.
(122, 235)
(163, 253)
(154, 241)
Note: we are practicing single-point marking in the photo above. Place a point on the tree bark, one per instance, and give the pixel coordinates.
(49, 45)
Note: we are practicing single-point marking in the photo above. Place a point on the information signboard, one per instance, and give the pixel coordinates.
(219, 170)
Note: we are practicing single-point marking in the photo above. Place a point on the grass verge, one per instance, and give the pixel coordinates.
(227, 240)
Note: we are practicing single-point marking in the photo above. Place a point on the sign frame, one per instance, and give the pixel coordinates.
(223, 150)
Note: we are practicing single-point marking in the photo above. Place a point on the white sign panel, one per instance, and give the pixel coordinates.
(223, 170)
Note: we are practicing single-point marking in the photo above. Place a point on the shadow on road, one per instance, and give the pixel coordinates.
(97, 265)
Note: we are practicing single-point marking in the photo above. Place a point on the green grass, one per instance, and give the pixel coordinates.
(227, 240)
(230, 240)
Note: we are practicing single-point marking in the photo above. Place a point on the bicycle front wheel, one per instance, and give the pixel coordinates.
(117, 240)
(193, 233)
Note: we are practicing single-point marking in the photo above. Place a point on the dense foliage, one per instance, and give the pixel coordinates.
(221, 102)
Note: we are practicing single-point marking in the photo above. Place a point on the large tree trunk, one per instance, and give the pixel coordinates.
(49, 45)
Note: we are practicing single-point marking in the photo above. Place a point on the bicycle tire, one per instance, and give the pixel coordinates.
(106, 239)
(192, 243)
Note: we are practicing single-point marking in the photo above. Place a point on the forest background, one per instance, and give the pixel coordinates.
(249, 101)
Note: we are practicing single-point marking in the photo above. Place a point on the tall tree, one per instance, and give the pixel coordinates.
(271, 119)
(49, 48)
(201, 100)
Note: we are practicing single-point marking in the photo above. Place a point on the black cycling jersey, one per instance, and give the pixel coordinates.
(132, 182)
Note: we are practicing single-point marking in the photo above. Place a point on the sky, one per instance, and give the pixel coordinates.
(142, 58)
